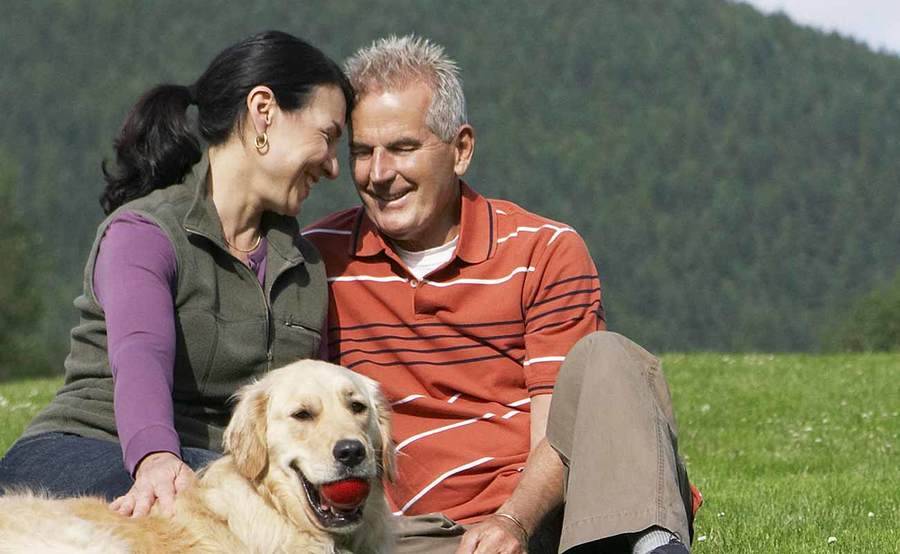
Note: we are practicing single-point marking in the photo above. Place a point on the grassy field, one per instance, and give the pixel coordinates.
(794, 454)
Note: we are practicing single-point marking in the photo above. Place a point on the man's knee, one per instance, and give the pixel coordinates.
(601, 343)
(603, 355)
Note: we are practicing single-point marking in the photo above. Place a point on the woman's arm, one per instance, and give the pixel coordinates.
(134, 279)
(134, 275)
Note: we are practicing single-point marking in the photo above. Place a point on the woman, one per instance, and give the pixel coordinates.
(198, 279)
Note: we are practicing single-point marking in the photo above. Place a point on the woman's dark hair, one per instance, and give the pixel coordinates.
(156, 147)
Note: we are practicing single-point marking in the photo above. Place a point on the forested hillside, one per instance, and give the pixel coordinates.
(735, 175)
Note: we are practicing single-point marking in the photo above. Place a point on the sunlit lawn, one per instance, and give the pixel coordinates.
(793, 453)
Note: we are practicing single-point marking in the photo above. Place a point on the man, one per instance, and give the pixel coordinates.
(464, 309)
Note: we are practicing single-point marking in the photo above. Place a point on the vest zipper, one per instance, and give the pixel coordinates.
(265, 298)
(269, 334)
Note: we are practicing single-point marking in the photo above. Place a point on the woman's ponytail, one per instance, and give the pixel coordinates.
(155, 147)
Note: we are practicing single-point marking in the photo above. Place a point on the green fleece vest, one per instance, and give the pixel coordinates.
(229, 329)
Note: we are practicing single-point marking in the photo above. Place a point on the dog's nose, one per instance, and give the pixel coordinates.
(349, 452)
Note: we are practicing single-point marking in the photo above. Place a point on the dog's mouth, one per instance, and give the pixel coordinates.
(338, 503)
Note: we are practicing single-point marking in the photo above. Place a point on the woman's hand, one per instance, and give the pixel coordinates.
(159, 477)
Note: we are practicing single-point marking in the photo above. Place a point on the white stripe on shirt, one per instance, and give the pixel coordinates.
(527, 363)
(524, 229)
(437, 482)
(409, 398)
(559, 232)
(518, 403)
(498, 281)
(437, 430)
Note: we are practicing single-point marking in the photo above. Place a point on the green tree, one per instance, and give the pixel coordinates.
(734, 175)
(872, 323)
(20, 352)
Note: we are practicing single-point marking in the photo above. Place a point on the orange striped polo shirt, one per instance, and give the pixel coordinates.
(460, 353)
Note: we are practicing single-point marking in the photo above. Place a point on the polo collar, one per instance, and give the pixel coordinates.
(477, 230)
(203, 219)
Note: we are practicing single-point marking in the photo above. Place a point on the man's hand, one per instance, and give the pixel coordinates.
(494, 535)
(159, 477)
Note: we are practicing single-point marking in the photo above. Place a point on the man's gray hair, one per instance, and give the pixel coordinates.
(392, 63)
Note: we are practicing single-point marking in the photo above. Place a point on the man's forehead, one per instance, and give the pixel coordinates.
(394, 86)
(391, 112)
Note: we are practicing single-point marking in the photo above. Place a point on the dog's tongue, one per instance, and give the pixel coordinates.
(346, 494)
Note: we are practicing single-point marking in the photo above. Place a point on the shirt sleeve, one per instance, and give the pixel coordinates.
(134, 280)
(562, 304)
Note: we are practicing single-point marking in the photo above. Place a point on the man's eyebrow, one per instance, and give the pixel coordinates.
(404, 142)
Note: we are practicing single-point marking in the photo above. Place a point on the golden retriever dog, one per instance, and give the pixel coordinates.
(305, 452)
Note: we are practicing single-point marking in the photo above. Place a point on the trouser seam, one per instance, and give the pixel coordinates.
(612, 515)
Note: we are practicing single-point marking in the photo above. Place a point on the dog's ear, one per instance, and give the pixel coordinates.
(382, 419)
(245, 436)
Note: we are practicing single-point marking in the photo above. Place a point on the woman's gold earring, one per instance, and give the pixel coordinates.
(262, 140)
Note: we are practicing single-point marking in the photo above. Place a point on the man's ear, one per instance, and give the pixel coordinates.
(463, 149)
(245, 436)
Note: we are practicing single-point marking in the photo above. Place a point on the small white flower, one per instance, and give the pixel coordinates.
(720, 514)
(831, 540)
(871, 514)
(705, 408)
(701, 538)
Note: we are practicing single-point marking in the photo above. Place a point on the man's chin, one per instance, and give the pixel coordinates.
(395, 228)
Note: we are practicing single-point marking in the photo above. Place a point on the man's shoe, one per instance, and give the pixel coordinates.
(675, 546)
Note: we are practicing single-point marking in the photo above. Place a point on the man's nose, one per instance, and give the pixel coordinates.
(382, 169)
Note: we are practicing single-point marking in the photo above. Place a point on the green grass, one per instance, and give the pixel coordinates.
(19, 402)
(789, 450)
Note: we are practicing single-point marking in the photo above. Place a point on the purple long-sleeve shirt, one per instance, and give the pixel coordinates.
(134, 282)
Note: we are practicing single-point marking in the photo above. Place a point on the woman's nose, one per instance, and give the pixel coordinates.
(330, 167)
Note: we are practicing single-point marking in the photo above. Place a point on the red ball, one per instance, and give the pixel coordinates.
(345, 494)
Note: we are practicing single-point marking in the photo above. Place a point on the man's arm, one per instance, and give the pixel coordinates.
(539, 490)
(563, 305)
(540, 414)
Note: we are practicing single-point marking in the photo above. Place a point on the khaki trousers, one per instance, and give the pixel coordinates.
(611, 422)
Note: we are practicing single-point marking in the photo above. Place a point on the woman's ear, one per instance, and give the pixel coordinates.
(260, 106)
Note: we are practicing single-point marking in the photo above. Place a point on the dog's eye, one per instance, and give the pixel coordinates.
(302, 415)
(358, 407)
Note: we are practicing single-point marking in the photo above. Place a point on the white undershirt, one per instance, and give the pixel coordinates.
(423, 262)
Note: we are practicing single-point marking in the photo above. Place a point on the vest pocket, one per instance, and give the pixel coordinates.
(240, 355)
(294, 341)
(193, 357)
